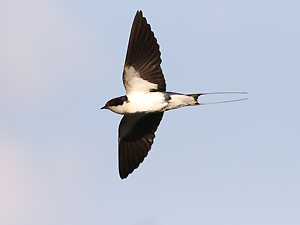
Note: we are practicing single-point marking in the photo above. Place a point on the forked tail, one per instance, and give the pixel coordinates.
(196, 96)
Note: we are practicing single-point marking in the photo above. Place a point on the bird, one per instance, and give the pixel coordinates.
(146, 97)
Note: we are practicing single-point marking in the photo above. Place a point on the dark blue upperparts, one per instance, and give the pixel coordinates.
(168, 95)
(117, 101)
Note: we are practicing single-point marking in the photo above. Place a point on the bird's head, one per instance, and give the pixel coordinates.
(115, 102)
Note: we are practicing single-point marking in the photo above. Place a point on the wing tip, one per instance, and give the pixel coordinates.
(123, 176)
(132, 159)
(139, 11)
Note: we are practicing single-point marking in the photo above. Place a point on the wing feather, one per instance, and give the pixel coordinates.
(143, 56)
(136, 134)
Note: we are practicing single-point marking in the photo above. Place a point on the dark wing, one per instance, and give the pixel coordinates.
(136, 134)
(143, 59)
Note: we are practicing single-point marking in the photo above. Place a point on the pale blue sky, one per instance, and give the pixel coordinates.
(234, 164)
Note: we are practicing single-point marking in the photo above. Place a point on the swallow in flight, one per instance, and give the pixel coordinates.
(146, 97)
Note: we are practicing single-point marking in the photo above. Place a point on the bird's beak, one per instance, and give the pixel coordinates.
(103, 107)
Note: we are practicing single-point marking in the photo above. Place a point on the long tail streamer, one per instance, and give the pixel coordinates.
(235, 100)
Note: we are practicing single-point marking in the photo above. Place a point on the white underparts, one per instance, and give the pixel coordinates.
(153, 102)
(141, 98)
(179, 100)
(143, 103)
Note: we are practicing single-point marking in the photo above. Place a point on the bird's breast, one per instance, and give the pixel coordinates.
(145, 103)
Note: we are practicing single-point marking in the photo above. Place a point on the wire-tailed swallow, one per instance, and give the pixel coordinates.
(146, 98)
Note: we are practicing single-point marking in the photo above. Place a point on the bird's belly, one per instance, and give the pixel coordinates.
(180, 100)
(146, 103)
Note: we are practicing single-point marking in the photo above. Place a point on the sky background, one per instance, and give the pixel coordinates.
(229, 164)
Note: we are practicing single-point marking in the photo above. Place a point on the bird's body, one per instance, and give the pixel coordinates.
(142, 103)
(146, 97)
(151, 102)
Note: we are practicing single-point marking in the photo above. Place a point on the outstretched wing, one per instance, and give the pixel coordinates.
(136, 134)
(142, 71)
